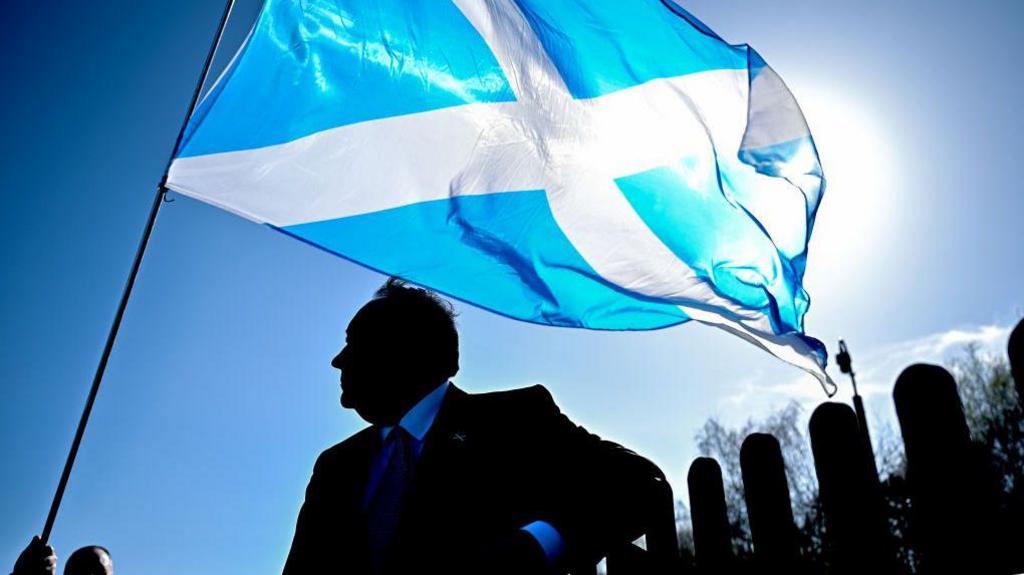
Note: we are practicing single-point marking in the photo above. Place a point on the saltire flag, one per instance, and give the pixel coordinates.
(589, 163)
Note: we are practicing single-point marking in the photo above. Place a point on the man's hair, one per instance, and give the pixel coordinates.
(432, 319)
(82, 558)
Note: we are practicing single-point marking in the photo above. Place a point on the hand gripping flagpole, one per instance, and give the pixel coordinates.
(140, 251)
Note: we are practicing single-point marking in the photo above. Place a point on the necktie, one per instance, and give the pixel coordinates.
(386, 505)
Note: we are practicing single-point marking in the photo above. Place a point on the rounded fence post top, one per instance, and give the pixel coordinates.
(829, 410)
(1015, 346)
(705, 464)
(921, 378)
(757, 445)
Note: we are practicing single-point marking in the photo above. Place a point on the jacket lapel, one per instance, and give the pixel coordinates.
(443, 443)
(353, 477)
(357, 476)
(447, 430)
(438, 460)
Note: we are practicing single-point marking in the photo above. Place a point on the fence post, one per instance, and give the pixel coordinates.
(1014, 518)
(768, 505)
(951, 522)
(712, 542)
(850, 494)
(1015, 349)
(662, 539)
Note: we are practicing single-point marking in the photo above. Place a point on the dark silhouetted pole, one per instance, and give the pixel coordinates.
(845, 362)
(768, 504)
(952, 525)
(1015, 512)
(712, 543)
(850, 494)
(662, 540)
(51, 517)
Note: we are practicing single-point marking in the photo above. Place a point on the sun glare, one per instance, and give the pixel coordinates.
(861, 201)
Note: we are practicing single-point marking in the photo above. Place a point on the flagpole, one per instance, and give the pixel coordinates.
(130, 283)
(846, 366)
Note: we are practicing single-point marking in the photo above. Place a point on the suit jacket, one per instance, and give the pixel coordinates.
(491, 463)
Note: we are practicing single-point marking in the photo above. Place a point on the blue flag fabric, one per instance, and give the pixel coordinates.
(594, 164)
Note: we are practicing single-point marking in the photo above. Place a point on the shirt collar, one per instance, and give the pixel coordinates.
(417, 421)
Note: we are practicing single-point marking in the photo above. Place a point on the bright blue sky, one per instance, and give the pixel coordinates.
(219, 394)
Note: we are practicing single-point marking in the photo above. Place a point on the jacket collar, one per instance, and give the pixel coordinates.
(418, 420)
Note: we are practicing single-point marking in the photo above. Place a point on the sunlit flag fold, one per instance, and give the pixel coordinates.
(597, 164)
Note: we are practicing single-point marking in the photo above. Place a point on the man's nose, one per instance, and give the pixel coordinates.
(336, 363)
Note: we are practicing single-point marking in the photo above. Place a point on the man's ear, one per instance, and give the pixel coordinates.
(453, 364)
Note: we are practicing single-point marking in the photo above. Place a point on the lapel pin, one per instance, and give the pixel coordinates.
(460, 437)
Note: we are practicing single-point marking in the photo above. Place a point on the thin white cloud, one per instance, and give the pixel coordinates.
(747, 387)
(884, 365)
(987, 336)
(876, 368)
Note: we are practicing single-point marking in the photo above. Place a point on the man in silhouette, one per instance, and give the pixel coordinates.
(449, 482)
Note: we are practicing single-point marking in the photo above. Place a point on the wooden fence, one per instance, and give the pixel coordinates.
(955, 519)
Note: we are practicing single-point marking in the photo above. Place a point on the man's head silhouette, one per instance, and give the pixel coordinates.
(91, 560)
(398, 347)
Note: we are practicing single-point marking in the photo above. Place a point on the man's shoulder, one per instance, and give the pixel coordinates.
(346, 449)
(532, 394)
(535, 398)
